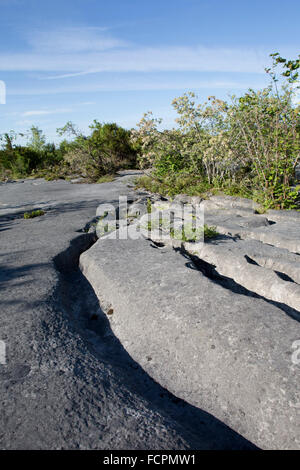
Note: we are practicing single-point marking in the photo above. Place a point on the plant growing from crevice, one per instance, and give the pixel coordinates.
(149, 206)
(33, 214)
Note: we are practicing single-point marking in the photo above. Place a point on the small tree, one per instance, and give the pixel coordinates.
(111, 146)
(107, 149)
(204, 133)
(37, 140)
(264, 136)
(146, 138)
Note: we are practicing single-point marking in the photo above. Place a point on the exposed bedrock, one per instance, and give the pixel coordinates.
(216, 347)
(251, 249)
(236, 216)
(268, 274)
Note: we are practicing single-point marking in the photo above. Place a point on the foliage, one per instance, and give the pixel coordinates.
(188, 233)
(37, 140)
(248, 147)
(291, 68)
(106, 179)
(149, 206)
(264, 139)
(210, 232)
(33, 214)
(20, 161)
(106, 150)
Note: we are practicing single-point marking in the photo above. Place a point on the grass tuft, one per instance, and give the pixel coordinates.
(33, 214)
(106, 179)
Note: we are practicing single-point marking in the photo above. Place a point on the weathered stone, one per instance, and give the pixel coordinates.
(234, 263)
(162, 205)
(67, 382)
(227, 353)
(253, 221)
(234, 202)
(77, 180)
(281, 216)
(195, 200)
(137, 210)
(182, 199)
(283, 234)
(272, 272)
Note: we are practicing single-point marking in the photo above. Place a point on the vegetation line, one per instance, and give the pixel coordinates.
(248, 146)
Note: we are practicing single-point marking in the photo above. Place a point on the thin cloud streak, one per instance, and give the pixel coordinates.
(198, 59)
(136, 86)
(77, 51)
(42, 112)
(76, 39)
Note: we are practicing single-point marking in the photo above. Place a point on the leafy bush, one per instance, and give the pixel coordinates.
(249, 147)
(106, 150)
(20, 161)
(264, 137)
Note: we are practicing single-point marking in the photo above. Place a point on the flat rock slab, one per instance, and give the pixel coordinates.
(67, 382)
(226, 353)
(268, 271)
(237, 216)
(284, 234)
(251, 250)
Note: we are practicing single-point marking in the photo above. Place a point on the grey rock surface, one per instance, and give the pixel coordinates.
(220, 350)
(221, 333)
(252, 250)
(68, 383)
(282, 234)
(136, 210)
(234, 202)
(248, 264)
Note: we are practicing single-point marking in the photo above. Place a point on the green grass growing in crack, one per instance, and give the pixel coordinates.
(188, 233)
(210, 232)
(106, 179)
(156, 224)
(33, 214)
(149, 206)
(261, 210)
(191, 234)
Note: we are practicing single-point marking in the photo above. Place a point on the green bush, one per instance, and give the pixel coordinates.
(19, 161)
(105, 151)
(264, 135)
(249, 147)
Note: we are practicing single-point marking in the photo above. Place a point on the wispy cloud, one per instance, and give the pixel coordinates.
(78, 51)
(139, 83)
(76, 39)
(44, 112)
(138, 59)
(47, 112)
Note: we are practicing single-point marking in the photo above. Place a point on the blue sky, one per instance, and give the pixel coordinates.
(81, 60)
